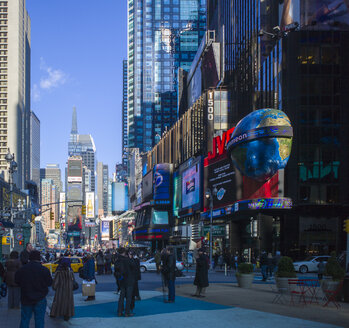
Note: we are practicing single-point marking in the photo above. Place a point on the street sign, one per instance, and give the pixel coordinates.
(19, 236)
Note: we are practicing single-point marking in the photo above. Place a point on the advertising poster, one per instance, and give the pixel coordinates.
(147, 186)
(161, 183)
(221, 176)
(105, 224)
(74, 218)
(90, 205)
(325, 14)
(62, 205)
(176, 193)
(191, 184)
(119, 197)
(74, 170)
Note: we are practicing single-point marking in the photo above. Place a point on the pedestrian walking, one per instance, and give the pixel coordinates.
(157, 259)
(264, 265)
(24, 257)
(138, 277)
(270, 265)
(63, 284)
(321, 268)
(277, 258)
(89, 273)
(34, 280)
(107, 258)
(201, 274)
(12, 265)
(100, 262)
(127, 276)
(169, 274)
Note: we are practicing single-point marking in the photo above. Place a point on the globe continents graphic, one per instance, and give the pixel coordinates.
(261, 143)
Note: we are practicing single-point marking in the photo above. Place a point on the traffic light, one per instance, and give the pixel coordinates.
(346, 225)
(52, 216)
(83, 210)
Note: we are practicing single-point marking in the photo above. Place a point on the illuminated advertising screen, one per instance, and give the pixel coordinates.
(220, 176)
(325, 14)
(105, 224)
(177, 195)
(147, 186)
(74, 170)
(119, 197)
(62, 205)
(315, 14)
(74, 218)
(191, 188)
(90, 204)
(161, 182)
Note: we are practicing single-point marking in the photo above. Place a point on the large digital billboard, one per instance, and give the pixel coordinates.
(74, 170)
(147, 186)
(191, 188)
(161, 182)
(119, 197)
(90, 204)
(219, 175)
(315, 14)
(177, 196)
(105, 228)
(62, 205)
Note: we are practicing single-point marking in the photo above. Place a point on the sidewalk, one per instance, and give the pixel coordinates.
(260, 298)
(152, 312)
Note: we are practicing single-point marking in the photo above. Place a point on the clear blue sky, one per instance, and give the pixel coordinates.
(77, 48)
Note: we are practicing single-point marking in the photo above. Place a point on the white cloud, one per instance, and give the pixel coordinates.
(35, 92)
(53, 77)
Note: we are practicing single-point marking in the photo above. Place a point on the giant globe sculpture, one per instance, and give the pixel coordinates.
(261, 143)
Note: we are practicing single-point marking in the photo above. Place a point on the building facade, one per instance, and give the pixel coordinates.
(163, 36)
(83, 145)
(102, 188)
(35, 149)
(124, 114)
(15, 87)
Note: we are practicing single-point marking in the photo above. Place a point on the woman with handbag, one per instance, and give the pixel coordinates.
(63, 283)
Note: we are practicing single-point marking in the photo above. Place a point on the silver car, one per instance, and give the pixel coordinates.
(310, 264)
(150, 265)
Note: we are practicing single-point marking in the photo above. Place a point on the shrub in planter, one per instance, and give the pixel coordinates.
(285, 268)
(245, 275)
(334, 269)
(245, 268)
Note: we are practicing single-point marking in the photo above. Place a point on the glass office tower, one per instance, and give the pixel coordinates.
(163, 35)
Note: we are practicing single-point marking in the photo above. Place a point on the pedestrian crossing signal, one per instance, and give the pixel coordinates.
(346, 225)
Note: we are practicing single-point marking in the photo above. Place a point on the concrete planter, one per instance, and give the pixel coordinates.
(245, 280)
(281, 283)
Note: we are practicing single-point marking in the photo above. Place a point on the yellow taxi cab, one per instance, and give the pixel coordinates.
(75, 263)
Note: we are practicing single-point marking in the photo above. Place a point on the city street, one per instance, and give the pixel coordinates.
(225, 305)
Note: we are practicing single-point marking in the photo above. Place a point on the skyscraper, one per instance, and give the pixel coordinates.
(163, 36)
(15, 87)
(83, 145)
(48, 196)
(102, 188)
(52, 172)
(124, 113)
(35, 149)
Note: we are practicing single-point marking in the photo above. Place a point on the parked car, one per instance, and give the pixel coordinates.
(309, 264)
(150, 265)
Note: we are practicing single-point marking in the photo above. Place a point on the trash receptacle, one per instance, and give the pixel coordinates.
(346, 289)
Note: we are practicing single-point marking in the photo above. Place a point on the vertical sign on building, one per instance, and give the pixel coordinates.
(90, 205)
(62, 205)
(210, 119)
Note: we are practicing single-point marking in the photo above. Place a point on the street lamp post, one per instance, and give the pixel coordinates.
(209, 196)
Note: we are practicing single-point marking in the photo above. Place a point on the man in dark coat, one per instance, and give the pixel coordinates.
(34, 280)
(24, 257)
(169, 272)
(126, 274)
(89, 273)
(201, 275)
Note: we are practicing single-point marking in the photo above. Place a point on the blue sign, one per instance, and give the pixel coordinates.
(161, 183)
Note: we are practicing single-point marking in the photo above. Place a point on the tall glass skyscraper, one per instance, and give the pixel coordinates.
(163, 35)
